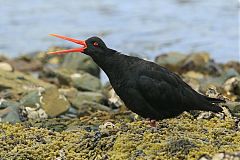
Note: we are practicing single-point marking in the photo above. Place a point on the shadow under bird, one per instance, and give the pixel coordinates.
(146, 88)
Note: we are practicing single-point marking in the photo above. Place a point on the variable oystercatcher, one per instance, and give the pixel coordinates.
(146, 88)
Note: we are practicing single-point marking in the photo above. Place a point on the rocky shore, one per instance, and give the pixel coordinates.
(56, 107)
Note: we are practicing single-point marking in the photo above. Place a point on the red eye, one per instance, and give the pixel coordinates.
(95, 44)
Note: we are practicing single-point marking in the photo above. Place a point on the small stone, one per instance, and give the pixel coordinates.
(205, 157)
(53, 102)
(218, 156)
(107, 125)
(205, 115)
(35, 113)
(6, 66)
(32, 99)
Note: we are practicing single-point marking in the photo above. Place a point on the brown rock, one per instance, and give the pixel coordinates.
(53, 102)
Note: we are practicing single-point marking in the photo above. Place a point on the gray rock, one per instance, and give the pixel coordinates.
(81, 80)
(86, 82)
(19, 83)
(234, 107)
(77, 62)
(32, 99)
(10, 112)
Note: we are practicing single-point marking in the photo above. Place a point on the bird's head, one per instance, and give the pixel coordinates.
(91, 46)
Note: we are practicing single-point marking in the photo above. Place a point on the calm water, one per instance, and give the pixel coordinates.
(144, 28)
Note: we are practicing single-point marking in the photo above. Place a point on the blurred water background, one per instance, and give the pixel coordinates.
(143, 28)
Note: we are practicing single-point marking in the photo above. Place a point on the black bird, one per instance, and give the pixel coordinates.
(146, 88)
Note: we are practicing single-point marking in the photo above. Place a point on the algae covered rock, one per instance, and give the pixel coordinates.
(19, 83)
(79, 97)
(86, 138)
(80, 80)
(53, 102)
(88, 102)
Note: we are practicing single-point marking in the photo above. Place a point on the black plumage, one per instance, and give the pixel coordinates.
(146, 88)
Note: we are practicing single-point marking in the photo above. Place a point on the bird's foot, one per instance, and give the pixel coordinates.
(151, 122)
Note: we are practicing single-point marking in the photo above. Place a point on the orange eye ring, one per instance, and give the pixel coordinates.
(95, 44)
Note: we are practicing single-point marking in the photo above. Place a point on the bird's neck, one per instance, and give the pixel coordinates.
(110, 62)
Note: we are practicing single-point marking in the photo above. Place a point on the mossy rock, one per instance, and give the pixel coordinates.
(179, 138)
(19, 83)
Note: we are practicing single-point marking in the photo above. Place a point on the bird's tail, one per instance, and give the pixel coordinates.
(215, 100)
(213, 107)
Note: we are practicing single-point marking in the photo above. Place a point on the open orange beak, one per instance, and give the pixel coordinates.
(81, 42)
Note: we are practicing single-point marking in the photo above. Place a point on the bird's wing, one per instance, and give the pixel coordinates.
(167, 90)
